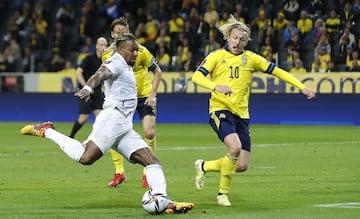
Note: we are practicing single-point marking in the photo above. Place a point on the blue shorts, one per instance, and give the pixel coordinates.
(224, 123)
(143, 109)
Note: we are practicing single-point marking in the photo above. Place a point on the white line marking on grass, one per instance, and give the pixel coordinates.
(183, 148)
(28, 154)
(339, 205)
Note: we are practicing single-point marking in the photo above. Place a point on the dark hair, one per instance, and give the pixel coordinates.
(125, 37)
(119, 21)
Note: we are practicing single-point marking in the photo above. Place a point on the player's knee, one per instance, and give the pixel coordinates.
(87, 160)
(149, 134)
(240, 167)
(234, 151)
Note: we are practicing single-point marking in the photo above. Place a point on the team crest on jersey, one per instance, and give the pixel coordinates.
(243, 60)
(223, 61)
(222, 116)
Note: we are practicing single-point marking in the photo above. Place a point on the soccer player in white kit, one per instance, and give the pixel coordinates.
(113, 127)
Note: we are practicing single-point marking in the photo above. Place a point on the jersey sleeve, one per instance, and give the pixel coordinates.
(205, 67)
(148, 59)
(109, 51)
(265, 66)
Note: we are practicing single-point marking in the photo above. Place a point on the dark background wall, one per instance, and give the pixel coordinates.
(326, 109)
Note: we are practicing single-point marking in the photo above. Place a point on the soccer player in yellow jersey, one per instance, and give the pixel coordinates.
(146, 93)
(230, 73)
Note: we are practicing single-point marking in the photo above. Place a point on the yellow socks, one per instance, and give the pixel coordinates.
(228, 167)
(151, 143)
(118, 161)
(213, 165)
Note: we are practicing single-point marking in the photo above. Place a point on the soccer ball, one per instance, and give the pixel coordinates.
(154, 202)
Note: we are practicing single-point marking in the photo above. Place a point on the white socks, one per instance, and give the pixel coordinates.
(155, 178)
(73, 148)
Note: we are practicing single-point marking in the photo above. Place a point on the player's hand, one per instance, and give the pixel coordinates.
(151, 101)
(224, 89)
(83, 94)
(309, 93)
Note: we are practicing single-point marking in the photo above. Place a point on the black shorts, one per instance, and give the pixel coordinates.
(96, 101)
(224, 123)
(143, 109)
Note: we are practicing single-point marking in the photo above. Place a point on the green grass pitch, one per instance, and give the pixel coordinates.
(295, 172)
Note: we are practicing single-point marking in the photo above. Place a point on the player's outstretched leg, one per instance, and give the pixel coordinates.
(200, 174)
(36, 129)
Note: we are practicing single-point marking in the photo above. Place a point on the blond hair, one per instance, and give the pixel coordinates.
(232, 24)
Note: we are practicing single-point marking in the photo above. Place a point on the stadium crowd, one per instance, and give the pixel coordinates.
(299, 35)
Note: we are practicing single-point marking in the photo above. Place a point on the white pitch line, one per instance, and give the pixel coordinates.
(339, 205)
(183, 148)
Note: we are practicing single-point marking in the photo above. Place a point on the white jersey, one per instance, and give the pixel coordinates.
(113, 126)
(121, 87)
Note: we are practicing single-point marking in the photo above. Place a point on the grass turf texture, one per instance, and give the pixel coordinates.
(293, 168)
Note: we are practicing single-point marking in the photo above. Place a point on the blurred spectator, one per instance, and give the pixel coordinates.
(349, 35)
(162, 11)
(292, 55)
(346, 13)
(333, 23)
(188, 4)
(317, 9)
(291, 9)
(269, 39)
(223, 19)
(324, 56)
(353, 63)
(56, 63)
(211, 15)
(290, 30)
(163, 57)
(332, 67)
(181, 84)
(163, 38)
(112, 8)
(151, 28)
(12, 54)
(342, 53)
(318, 30)
(66, 15)
(305, 25)
(177, 60)
(323, 42)
(140, 34)
(26, 60)
(298, 67)
(280, 22)
(268, 54)
(88, 46)
(59, 43)
(3, 63)
(269, 9)
(210, 46)
(176, 26)
(240, 13)
(261, 22)
(190, 34)
(318, 66)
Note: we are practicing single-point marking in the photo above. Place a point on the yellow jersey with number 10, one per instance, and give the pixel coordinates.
(236, 71)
